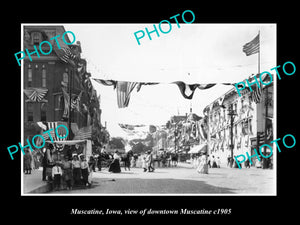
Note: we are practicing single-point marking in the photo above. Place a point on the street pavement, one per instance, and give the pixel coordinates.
(182, 179)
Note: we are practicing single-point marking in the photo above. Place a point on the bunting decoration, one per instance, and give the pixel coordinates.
(106, 82)
(124, 88)
(35, 94)
(187, 90)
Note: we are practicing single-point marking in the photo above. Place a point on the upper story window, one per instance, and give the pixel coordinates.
(44, 76)
(29, 78)
(36, 38)
(29, 111)
(65, 77)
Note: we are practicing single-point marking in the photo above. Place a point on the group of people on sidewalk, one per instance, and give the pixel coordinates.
(68, 171)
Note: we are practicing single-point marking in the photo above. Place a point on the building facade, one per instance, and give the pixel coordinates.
(57, 86)
(239, 124)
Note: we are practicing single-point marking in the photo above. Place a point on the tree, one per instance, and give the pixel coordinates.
(117, 143)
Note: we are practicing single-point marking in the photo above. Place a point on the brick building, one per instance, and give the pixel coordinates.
(49, 79)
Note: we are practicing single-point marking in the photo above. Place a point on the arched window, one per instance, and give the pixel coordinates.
(29, 76)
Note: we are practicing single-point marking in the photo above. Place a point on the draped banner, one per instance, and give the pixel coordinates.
(125, 88)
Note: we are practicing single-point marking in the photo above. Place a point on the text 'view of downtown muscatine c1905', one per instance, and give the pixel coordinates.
(62, 114)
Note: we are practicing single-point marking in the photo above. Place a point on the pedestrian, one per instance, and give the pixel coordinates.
(50, 162)
(218, 161)
(149, 161)
(126, 159)
(44, 164)
(144, 163)
(56, 174)
(76, 169)
(247, 163)
(208, 163)
(27, 162)
(114, 167)
(203, 166)
(67, 168)
(214, 164)
(84, 170)
(132, 162)
(92, 164)
(228, 160)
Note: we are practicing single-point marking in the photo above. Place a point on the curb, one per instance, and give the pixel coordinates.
(42, 189)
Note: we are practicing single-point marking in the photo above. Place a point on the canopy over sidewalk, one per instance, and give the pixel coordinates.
(198, 148)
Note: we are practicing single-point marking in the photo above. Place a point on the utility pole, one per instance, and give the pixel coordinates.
(266, 118)
(70, 99)
(231, 113)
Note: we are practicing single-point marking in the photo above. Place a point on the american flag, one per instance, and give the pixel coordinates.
(66, 55)
(257, 92)
(124, 90)
(75, 102)
(84, 133)
(53, 125)
(252, 47)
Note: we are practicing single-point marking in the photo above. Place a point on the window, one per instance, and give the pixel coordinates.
(36, 38)
(44, 77)
(29, 78)
(43, 112)
(29, 111)
(65, 77)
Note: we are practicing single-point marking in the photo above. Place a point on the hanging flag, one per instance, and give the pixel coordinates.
(75, 102)
(60, 130)
(187, 90)
(252, 47)
(66, 100)
(124, 90)
(66, 55)
(35, 94)
(256, 93)
(83, 133)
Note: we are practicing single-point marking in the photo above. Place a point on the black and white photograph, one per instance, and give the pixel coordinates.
(174, 108)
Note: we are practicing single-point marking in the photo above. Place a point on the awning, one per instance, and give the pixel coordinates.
(71, 142)
(198, 148)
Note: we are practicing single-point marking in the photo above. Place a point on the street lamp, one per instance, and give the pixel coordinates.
(232, 114)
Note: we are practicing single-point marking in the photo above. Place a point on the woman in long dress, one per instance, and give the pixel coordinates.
(203, 166)
(115, 164)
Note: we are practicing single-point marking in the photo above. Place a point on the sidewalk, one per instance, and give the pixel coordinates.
(32, 183)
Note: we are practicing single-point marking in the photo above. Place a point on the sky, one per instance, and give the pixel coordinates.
(193, 53)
